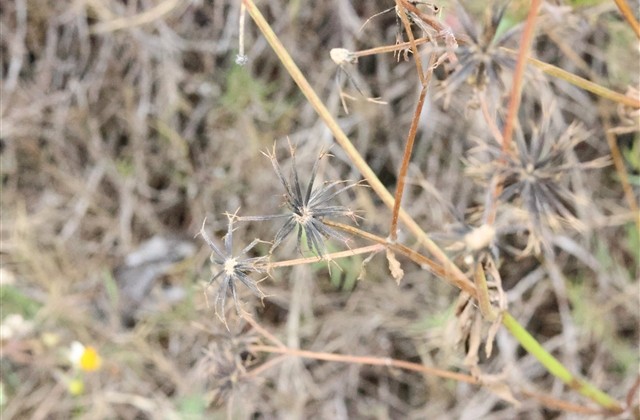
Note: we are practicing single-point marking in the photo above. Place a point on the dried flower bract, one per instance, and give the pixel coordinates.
(232, 269)
(307, 208)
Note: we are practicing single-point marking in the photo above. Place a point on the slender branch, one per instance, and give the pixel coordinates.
(266, 334)
(514, 104)
(328, 257)
(414, 48)
(484, 300)
(628, 15)
(461, 283)
(366, 360)
(578, 81)
(618, 162)
(408, 149)
(565, 406)
(518, 74)
(556, 368)
(389, 48)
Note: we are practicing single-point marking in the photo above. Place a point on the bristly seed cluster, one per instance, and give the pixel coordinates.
(306, 210)
(481, 59)
(232, 269)
(537, 174)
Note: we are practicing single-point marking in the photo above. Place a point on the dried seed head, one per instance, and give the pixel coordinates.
(481, 59)
(538, 176)
(307, 207)
(232, 270)
(342, 56)
(480, 237)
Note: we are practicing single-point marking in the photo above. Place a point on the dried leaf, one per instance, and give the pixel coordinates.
(363, 266)
(491, 335)
(475, 339)
(394, 266)
(503, 391)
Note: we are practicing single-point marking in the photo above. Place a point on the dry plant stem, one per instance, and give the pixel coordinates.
(565, 406)
(143, 18)
(408, 149)
(618, 162)
(267, 365)
(366, 360)
(483, 294)
(578, 81)
(263, 332)
(412, 40)
(429, 20)
(389, 48)
(518, 75)
(451, 271)
(628, 15)
(416, 257)
(632, 395)
(556, 368)
(328, 257)
(489, 119)
(241, 21)
(514, 101)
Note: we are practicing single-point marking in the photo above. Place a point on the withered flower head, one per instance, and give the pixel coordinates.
(232, 269)
(480, 57)
(307, 208)
(537, 176)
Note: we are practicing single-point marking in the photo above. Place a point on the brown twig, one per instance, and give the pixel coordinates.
(628, 15)
(328, 257)
(408, 149)
(621, 170)
(514, 100)
(414, 48)
(366, 360)
(460, 282)
(556, 404)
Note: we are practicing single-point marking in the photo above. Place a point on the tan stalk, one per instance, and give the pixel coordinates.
(408, 150)
(628, 15)
(412, 40)
(514, 103)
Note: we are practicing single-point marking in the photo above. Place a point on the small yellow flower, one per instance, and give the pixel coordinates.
(76, 387)
(86, 358)
(90, 360)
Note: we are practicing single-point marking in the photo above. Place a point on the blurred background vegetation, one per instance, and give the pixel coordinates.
(126, 123)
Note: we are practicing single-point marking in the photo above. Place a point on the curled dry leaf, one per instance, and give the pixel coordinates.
(394, 266)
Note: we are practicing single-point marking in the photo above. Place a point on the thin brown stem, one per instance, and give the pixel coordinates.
(518, 74)
(412, 41)
(618, 162)
(628, 15)
(565, 406)
(263, 332)
(462, 283)
(389, 48)
(328, 257)
(366, 360)
(266, 366)
(408, 150)
(514, 101)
